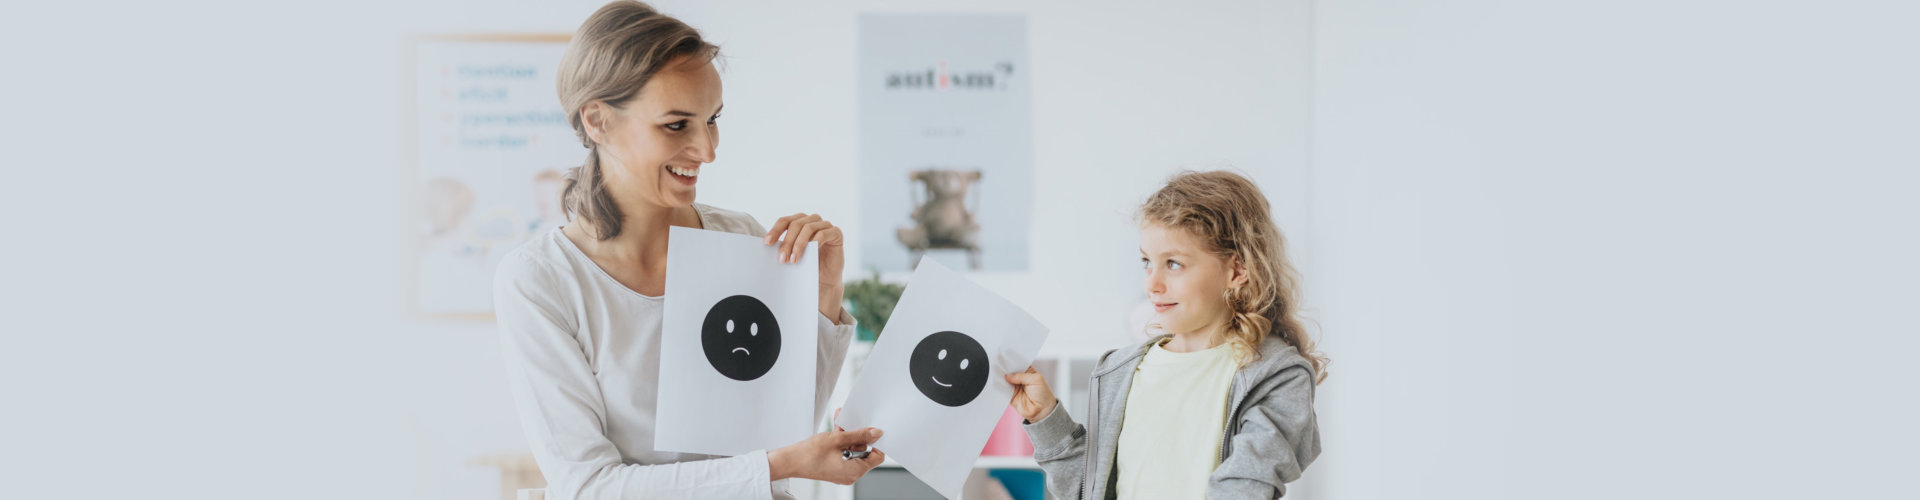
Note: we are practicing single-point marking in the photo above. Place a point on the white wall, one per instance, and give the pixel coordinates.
(248, 160)
(1615, 249)
(1559, 250)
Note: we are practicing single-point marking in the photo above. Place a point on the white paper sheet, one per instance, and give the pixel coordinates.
(737, 346)
(935, 382)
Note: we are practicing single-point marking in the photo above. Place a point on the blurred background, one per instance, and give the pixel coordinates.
(1555, 249)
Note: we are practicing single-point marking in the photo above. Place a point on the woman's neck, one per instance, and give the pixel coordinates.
(643, 234)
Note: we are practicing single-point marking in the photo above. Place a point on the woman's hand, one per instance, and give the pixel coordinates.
(1031, 396)
(793, 232)
(818, 457)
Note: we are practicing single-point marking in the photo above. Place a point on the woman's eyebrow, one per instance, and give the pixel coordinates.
(677, 112)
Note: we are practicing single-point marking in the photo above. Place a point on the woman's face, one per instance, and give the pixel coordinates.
(652, 148)
(1185, 282)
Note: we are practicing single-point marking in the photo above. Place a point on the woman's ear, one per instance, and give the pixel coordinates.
(594, 117)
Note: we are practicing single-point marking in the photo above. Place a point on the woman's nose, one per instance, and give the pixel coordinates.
(704, 146)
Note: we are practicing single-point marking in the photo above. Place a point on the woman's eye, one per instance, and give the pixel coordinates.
(1145, 264)
(714, 121)
(1173, 265)
(677, 126)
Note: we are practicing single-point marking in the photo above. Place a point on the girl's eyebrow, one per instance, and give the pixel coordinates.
(1173, 253)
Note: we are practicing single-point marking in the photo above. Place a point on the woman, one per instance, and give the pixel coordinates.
(580, 307)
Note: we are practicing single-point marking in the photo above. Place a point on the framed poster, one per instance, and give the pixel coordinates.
(946, 141)
(490, 147)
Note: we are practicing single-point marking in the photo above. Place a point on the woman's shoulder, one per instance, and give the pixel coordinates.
(542, 258)
(732, 221)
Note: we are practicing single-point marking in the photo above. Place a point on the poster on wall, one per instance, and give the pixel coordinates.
(490, 146)
(946, 142)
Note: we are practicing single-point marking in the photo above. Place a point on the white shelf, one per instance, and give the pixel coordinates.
(1006, 463)
(989, 462)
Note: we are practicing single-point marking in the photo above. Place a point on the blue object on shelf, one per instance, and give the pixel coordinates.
(1024, 484)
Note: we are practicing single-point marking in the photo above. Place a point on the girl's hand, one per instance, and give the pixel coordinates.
(793, 232)
(818, 457)
(1031, 396)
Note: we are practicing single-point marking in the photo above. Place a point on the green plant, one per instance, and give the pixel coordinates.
(872, 302)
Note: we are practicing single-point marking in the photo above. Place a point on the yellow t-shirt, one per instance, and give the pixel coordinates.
(1176, 413)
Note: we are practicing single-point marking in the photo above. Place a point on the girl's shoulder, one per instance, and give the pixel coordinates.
(1278, 359)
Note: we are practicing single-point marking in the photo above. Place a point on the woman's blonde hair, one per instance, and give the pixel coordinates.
(1228, 213)
(616, 51)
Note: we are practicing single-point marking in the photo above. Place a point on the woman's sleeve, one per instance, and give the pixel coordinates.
(1278, 438)
(1060, 446)
(563, 415)
(833, 353)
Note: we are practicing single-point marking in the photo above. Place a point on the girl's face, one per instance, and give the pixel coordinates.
(1186, 283)
(651, 149)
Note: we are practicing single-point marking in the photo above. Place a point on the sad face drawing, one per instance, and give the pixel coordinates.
(741, 338)
(950, 368)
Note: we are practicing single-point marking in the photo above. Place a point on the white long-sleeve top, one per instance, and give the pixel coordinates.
(583, 359)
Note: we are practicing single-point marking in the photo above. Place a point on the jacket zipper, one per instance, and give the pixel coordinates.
(1233, 417)
(1093, 420)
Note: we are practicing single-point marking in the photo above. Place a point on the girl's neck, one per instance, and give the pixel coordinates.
(1198, 340)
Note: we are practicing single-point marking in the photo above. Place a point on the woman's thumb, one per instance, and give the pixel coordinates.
(856, 437)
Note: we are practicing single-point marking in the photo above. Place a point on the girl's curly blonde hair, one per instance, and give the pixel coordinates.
(1227, 211)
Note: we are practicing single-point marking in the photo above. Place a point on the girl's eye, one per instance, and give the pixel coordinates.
(1174, 265)
(714, 121)
(1145, 264)
(677, 126)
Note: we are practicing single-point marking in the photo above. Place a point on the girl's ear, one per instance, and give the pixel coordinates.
(1236, 272)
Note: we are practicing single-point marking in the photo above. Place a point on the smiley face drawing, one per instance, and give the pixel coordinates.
(949, 367)
(741, 338)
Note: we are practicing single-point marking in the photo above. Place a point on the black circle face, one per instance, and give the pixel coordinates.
(741, 338)
(949, 367)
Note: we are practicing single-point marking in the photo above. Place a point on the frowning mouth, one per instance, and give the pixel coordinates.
(936, 380)
(743, 349)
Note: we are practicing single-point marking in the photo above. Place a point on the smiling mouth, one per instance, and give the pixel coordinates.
(743, 349)
(936, 380)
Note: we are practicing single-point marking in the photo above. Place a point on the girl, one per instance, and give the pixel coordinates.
(580, 307)
(1222, 406)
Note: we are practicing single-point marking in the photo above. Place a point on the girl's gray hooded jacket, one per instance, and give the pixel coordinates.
(1271, 435)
